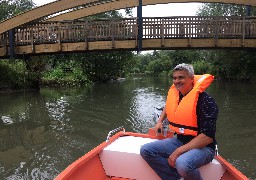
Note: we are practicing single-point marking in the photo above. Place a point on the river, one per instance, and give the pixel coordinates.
(41, 133)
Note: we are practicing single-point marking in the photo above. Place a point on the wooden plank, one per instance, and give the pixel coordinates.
(149, 44)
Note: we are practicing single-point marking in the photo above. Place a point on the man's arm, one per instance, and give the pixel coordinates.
(198, 142)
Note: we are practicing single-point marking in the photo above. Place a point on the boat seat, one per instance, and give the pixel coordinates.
(122, 159)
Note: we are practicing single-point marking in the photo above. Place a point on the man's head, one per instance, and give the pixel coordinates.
(183, 78)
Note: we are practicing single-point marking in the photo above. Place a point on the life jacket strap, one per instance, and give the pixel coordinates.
(183, 126)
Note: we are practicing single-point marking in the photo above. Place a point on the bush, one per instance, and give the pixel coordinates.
(58, 77)
(12, 75)
(202, 67)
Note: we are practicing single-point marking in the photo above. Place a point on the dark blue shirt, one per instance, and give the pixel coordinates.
(207, 114)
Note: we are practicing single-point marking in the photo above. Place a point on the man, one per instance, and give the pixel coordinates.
(192, 114)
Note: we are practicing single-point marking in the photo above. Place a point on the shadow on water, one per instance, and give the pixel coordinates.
(42, 133)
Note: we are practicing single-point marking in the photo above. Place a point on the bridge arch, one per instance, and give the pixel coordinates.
(61, 5)
(121, 4)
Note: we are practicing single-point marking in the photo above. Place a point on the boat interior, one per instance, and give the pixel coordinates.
(119, 159)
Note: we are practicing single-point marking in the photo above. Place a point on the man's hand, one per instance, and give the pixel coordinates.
(198, 142)
(158, 125)
(172, 158)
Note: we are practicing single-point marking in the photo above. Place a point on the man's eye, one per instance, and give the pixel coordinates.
(179, 78)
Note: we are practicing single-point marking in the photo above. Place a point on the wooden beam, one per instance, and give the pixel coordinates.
(148, 44)
(41, 12)
(121, 4)
(84, 12)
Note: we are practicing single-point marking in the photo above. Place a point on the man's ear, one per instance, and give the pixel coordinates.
(193, 78)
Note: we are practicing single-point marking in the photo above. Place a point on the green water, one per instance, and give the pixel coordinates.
(41, 133)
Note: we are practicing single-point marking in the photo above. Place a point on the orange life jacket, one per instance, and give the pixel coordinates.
(182, 115)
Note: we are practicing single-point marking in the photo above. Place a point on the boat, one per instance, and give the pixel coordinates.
(118, 158)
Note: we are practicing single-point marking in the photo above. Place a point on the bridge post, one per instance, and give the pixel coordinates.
(5, 36)
(140, 29)
(248, 10)
(11, 36)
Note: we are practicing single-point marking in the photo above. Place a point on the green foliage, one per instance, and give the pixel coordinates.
(10, 8)
(229, 64)
(12, 75)
(235, 64)
(49, 70)
(88, 67)
(106, 65)
(163, 61)
(202, 67)
(64, 70)
(218, 9)
(58, 77)
(184, 56)
(160, 63)
(142, 61)
(223, 64)
(128, 12)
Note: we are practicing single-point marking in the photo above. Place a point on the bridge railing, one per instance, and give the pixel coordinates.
(127, 28)
(200, 27)
(77, 31)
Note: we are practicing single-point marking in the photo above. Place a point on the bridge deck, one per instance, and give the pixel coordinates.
(158, 33)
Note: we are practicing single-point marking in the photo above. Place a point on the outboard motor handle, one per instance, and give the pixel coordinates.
(157, 114)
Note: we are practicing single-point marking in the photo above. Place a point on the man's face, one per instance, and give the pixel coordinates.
(182, 81)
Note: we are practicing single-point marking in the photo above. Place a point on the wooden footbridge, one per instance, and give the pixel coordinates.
(46, 30)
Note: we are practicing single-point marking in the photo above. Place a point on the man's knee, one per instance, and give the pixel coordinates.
(183, 167)
(144, 150)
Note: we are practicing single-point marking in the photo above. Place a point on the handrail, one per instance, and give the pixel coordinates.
(114, 131)
(164, 27)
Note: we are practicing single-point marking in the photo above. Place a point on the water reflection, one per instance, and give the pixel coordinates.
(58, 111)
(42, 133)
(141, 110)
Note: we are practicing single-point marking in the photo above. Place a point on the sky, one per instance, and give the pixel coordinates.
(160, 10)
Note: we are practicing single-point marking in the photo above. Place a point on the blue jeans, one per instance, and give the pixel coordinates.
(156, 155)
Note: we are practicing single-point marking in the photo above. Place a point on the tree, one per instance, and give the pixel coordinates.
(229, 64)
(10, 8)
(106, 65)
(218, 9)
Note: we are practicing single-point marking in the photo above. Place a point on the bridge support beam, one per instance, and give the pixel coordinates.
(11, 36)
(140, 22)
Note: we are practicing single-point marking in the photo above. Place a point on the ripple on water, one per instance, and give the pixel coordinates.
(142, 109)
